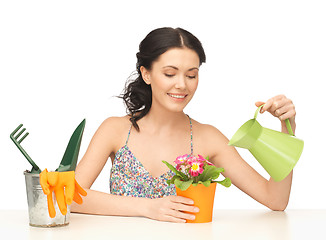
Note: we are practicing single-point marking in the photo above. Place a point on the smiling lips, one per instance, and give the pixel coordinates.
(178, 96)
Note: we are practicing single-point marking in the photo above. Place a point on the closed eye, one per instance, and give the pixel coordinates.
(168, 75)
(192, 77)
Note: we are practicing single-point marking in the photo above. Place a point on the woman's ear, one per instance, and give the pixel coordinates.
(145, 75)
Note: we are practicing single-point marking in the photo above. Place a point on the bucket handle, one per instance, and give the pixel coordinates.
(287, 121)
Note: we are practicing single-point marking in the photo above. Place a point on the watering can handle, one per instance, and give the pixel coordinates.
(287, 121)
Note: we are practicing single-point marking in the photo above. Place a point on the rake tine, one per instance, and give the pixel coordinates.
(16, 130)
(20, 133)
(23, 138)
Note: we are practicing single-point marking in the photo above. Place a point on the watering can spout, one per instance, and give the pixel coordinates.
(247, 134)
(277, 152)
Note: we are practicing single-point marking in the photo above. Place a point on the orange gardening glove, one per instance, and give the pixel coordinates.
(65, 187)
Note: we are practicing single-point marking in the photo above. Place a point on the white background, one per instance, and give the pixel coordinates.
(62, 61)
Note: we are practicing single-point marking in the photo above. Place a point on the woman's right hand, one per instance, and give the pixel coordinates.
(170, 209)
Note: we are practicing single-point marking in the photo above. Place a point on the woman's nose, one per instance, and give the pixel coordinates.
(181, 82)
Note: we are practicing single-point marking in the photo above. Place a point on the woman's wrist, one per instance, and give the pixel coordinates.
(142, 207)
(284, 127)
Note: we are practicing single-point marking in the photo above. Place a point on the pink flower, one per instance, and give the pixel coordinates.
(201, 158)
(192, 159)
(181, 159)
(196, 168)
(209, 163)
(178, 167)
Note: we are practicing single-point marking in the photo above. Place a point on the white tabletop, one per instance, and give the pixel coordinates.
(226, 224)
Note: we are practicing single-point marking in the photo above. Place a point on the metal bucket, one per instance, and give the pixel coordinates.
(38, 206)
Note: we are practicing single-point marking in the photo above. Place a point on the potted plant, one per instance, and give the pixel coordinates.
(195, 178)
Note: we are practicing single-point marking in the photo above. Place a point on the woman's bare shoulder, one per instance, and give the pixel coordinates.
(116, 122)
(207, 131)
(209, 140)
(113, 128)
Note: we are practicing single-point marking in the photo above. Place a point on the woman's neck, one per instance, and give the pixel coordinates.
(159, 120)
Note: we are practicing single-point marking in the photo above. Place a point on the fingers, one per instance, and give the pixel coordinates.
(171, 209)
(270, 103)
(53, 180)
(178, 216)
(77, 198)
(47, 190)
(287, 114)
(69, 192)
(184, 207)
(279, 106)
(180, 208)
(180, 199)
(59, 195)
(79, 190)
(51, 209)
(169, 218)
(259, 103)
(68, 181)
(183, 211)
(44, 182)
(65, 187)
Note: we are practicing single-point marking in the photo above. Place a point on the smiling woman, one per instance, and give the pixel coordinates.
(168, 65)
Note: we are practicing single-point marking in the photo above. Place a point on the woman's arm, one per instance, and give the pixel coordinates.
(100, 148)
(101, 203)
(282, 108)
(92, 163)
(163, 209)
(274, 195)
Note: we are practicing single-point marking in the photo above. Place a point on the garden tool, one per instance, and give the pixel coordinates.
(70, 157)
(277, 152)
(35, 168)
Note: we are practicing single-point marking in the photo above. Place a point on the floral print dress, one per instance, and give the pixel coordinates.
(130, 178)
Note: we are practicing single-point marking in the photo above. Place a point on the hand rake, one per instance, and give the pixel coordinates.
(17, 142)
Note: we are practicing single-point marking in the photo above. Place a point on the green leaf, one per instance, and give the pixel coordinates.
(171, 181)
(207, 158)
(183, 185)
(173, 169)
(226, 182)
(207, 183)
(210, 172)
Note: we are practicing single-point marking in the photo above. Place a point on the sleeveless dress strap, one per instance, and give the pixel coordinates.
(191, 143)
(128, 135)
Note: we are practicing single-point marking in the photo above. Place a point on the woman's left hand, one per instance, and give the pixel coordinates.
(281, 107)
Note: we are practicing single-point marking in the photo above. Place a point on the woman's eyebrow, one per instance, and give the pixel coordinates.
(174, 67)
(170, 66)
(194, 68)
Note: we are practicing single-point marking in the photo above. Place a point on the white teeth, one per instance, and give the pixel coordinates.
(177, 96)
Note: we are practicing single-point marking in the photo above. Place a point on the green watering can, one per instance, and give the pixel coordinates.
(277, 152)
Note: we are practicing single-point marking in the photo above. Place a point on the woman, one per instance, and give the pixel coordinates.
(156, 129)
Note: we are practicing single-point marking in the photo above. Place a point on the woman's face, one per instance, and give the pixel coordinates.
(173, 78)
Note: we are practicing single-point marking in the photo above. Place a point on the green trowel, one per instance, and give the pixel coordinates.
(70, 157)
